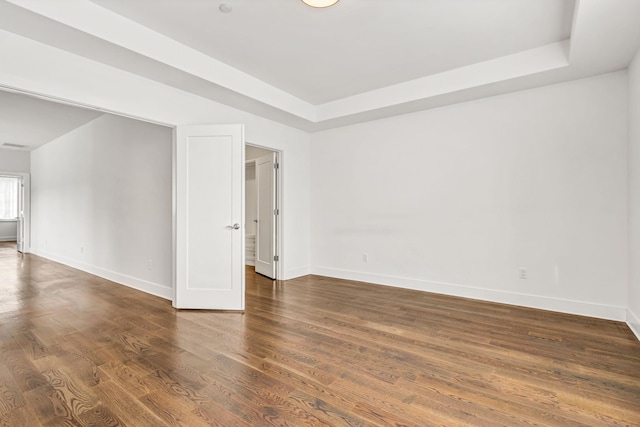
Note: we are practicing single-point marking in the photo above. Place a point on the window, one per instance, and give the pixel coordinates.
(9, 197)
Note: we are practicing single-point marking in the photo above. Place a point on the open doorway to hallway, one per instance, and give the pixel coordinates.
(262, 210)
(15, 210)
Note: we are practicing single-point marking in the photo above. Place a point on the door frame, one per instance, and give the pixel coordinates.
(279, 232)
(26, 181)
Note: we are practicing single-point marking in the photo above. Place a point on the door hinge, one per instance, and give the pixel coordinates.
(276, 258)
(276, 212)
(276, 165)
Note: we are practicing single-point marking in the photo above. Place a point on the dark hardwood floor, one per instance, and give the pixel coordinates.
(78, 350)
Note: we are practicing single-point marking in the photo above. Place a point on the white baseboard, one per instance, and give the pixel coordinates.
(123, 279)
(8, 238)
(581, 308)
(633, 321)
(249, 262)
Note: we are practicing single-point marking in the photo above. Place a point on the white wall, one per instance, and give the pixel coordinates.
(102, 201)
(39, 68)
(14, 161)
(8, 231)
(633, 314)
(456, 199)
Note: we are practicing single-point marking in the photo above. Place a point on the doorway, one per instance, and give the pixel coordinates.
(16, 224)
(262, 210)
(140, 277)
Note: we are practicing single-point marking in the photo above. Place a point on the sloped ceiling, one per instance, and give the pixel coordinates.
(359, 60)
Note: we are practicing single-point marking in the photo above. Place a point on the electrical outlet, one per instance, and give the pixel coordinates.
(365, 257)
(149, 264)
(81, 250)
(522, 273)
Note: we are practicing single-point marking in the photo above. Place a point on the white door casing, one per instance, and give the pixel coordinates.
(20, 223)
(209, 217)
(266, 227)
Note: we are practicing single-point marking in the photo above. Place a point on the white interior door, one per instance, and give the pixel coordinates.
(20, 222)
(267, 215)
(209, 217)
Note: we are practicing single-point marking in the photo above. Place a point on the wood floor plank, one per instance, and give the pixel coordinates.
(22, 416)
(100, 416)
(174, 411)
(216, 415)
(126, 407)
(10, 394)
(78, 350)
(23, 370)
(50, 408)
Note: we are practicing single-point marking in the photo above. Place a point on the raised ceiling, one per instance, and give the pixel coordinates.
(321, 55)
(359, 60)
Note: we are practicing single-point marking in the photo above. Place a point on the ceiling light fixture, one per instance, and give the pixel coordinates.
(320, 3)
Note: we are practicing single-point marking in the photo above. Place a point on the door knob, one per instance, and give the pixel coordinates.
(235, 226)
